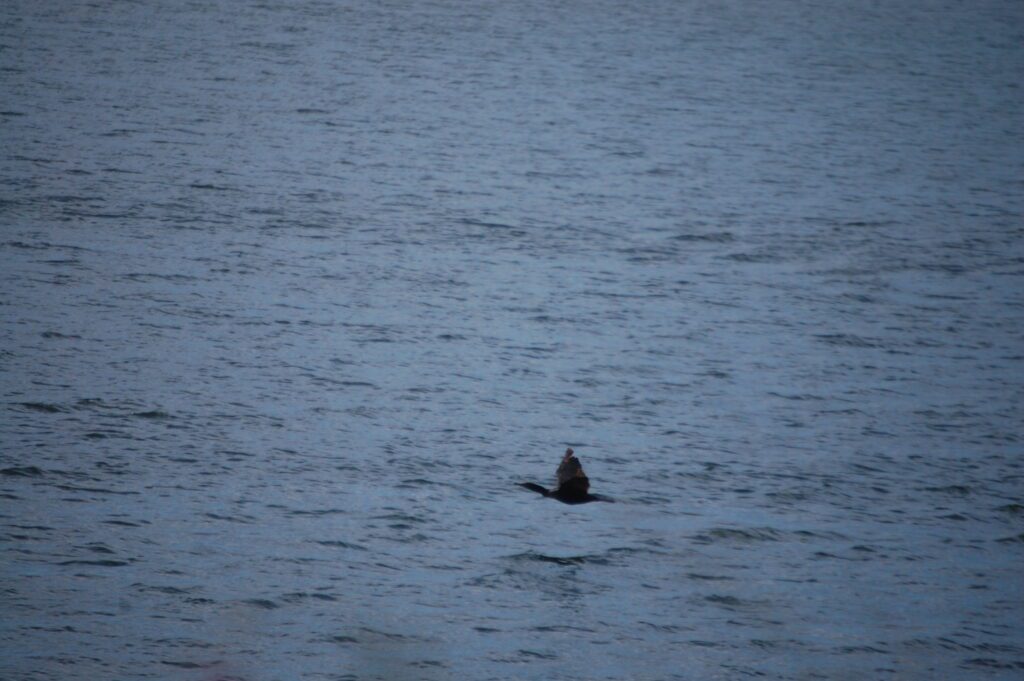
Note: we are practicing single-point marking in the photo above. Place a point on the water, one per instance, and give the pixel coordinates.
(294, 293)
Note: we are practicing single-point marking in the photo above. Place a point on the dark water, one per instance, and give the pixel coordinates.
(293, 294)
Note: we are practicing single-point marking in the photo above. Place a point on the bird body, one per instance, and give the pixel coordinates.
(573, 484)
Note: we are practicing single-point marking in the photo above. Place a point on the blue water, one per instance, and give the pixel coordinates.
(293, 294)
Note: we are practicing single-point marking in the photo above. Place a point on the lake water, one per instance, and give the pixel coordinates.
(294, 293)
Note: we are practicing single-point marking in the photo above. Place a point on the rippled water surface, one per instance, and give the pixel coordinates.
(293, 294)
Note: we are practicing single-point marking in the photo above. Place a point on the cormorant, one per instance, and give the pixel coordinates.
(573, 485)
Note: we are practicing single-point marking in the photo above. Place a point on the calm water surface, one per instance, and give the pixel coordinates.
(293, 294)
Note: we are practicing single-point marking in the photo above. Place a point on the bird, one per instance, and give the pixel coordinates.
(573, 485)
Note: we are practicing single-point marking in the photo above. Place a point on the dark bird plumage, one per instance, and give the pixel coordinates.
(573, 485)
